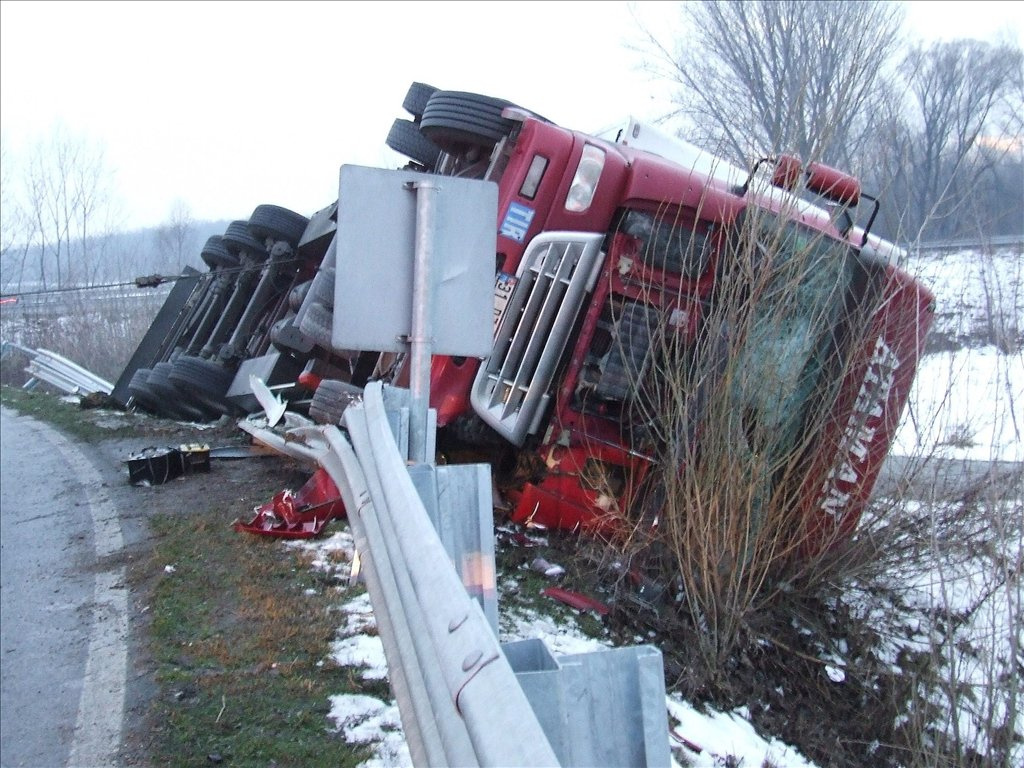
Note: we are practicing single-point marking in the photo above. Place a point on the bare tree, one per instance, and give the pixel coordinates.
(13, 241)
(959, 90)
(175, 238)
(787, 75)
(62, 206)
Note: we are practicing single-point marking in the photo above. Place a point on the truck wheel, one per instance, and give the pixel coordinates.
(331, 399)
(278, 223)
(214, 254)
(238, 239)
(454, 119)
(139, 389)
(208, 380)
(416, 99)
(318, 324)
(406, 139)
(172, 403)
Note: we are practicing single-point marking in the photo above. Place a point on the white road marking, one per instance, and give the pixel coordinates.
(97, 737)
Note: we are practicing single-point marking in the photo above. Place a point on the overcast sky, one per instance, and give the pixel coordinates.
(228, 105)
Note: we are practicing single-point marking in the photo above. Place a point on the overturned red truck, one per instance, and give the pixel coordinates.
(612, 252)
(604, 246)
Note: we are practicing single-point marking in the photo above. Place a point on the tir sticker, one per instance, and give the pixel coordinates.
(517, 222)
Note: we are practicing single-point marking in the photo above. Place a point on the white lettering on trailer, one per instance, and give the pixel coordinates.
(854, 446)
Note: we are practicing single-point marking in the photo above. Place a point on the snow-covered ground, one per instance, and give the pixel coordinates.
(969, 403)
(966, 404)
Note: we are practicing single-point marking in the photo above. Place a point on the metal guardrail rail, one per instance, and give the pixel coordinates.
(58, 371)
(425, 543)
(457, 693)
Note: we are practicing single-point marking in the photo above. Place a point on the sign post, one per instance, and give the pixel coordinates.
(414, 272)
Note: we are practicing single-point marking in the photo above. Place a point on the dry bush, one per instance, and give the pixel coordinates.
(735, 419)
(99, 334)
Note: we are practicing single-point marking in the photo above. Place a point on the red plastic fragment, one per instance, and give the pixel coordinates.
(576, 600)
(301, 515)
(690, 745)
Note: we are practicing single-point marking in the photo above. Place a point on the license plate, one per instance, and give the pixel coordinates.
(503, 286)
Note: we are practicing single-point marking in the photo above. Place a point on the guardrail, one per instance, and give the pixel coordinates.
(953, 244)
(464, 698)
(62, 373)
(459, 699)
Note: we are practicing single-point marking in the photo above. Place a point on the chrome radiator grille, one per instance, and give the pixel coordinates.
(556, 273)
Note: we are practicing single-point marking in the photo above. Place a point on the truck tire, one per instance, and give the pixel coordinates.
(173, 403)
(331, 399)
(416, 99)
(454, 119)
(318, 324)
(238, 240)
(207, 380)
(406, 139)
(214, 254)
(277, 223)
(140, 391)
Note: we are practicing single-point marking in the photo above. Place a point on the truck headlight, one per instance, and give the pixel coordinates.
(584, 183)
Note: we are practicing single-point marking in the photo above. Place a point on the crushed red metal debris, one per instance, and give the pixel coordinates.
(301, 515)
(576, 600)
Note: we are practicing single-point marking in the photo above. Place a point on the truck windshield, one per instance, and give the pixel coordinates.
(793, 304)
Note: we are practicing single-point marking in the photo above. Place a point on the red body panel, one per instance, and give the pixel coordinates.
(872, 398)
(841, 470)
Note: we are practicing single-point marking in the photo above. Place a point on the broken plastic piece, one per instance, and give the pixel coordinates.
(576, 600)
(301, 515)
(551, 570)
(272, 404)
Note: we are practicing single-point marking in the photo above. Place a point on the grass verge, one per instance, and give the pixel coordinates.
(64, 415)
(239, 637)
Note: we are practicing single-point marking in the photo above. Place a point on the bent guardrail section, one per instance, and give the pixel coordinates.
(457, 693)
(424, 544)
(65, 375)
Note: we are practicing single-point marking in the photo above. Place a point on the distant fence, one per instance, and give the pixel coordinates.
(958, 244)
(33, 305)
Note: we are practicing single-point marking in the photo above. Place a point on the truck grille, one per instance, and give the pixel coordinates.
(510, 392)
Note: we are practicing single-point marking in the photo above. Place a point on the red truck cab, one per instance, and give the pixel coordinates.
(604, 248)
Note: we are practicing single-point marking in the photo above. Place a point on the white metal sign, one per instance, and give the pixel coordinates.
(376, 241)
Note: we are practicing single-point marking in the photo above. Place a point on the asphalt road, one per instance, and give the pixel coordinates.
(63, 601)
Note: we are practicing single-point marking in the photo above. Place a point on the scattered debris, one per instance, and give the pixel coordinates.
(576, 600)
(272, 404)
(155, 466)
(97, 400)
(301, 515)
(550, 570)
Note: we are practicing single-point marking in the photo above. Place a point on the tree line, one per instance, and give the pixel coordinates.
(61, 225)
(937, 128)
